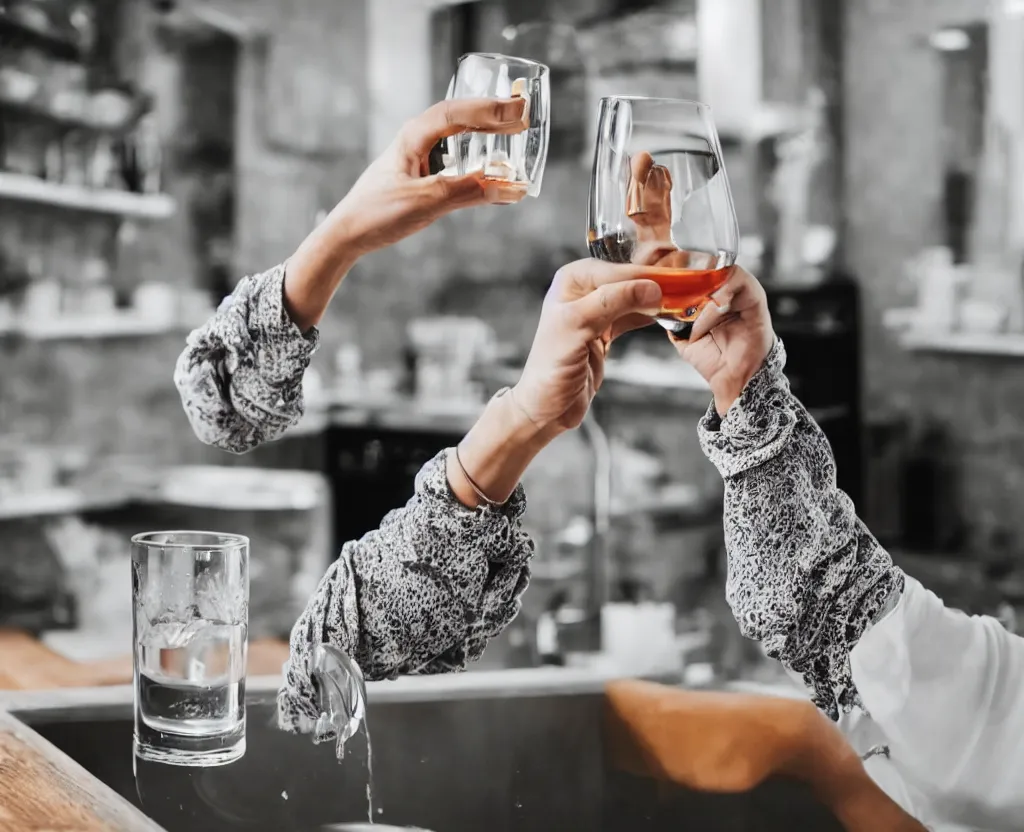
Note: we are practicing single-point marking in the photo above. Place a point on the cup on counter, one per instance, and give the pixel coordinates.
(190, 602)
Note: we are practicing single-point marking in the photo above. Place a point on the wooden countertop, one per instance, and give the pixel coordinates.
(42, 790)
(28, 664)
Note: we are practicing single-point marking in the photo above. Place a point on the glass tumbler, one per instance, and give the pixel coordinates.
(517, 160)
(190, 605)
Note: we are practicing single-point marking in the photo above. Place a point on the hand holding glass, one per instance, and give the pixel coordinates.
(659, 197)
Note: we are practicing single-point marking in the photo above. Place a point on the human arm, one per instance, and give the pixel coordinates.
(724, 742)
(442, 575)
(240, 375)
(947, 690)
(807, 578)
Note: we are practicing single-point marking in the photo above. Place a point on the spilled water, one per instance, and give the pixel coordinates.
(342, 691)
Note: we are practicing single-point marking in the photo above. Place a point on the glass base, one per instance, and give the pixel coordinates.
(191, 751)
(679, 330)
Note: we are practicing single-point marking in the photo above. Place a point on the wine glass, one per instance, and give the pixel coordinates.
(516, 161)
(659, 197)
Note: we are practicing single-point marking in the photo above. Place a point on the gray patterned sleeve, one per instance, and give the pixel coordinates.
(805, 577)
(424, 593)
(240, 375)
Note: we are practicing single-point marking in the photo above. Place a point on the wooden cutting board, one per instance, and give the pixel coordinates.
(28, 664)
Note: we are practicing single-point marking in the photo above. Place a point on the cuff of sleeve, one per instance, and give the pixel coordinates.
(283, 351)
(759, 423)
(432, 484)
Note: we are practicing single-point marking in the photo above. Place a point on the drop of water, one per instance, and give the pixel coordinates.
(284, 794)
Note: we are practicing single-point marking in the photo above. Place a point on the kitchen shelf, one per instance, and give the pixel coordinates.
(17, 187)
(1010, 345)
(54, 501)
(38, 112)
(93, 328)
(57, 44)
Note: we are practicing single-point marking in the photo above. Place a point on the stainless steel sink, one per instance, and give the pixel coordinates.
(508, 751)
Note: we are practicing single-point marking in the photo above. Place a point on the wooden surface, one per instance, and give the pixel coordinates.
(27, 664)
(42, 790)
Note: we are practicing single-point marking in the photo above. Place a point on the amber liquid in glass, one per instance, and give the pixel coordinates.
(684, 291)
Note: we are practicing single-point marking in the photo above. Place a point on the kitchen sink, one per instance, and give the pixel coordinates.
(505, 751)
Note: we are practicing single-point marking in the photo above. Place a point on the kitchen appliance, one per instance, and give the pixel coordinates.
(372, 470)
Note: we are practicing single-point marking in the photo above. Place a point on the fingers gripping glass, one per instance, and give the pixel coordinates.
(659, 197)
(514, 163)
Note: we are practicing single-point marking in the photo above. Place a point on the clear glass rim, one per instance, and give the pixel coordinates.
(512, 59)
(652, 99)
(214, 540)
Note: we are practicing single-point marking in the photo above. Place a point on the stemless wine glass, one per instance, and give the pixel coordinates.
(659, 197)
(515, 161)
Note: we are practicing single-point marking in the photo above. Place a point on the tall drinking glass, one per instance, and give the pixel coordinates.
(659, 197)
(190, 593)
(514, 161)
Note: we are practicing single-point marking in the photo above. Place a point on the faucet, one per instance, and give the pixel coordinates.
(599, 573)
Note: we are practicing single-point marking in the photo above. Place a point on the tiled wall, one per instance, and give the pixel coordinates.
(892, 206)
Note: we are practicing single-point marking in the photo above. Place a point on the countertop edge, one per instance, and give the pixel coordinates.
(486, 683)
(79, 785)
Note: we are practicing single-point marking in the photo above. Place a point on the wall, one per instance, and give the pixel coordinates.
(892, 200)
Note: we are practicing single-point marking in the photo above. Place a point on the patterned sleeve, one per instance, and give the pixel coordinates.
(805, 577)
(422, 594)
(240, 376)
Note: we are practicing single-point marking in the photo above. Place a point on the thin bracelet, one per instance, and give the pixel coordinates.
(476, 488)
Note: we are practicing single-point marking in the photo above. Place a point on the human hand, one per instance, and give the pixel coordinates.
(590, 303)
(731, 338)
(396, 196)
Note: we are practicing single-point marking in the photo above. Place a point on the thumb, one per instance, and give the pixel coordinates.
(598, 310)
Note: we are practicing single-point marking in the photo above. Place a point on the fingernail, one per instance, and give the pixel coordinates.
(723, 308)
(520, 90)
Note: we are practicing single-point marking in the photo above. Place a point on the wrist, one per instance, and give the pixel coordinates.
(316, 269)
(530, 429)
(343, 227)
(727, 390)
(495, 453)
(826, 761)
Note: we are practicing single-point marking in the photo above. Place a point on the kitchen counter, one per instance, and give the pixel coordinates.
(43, 790)
(522, 749)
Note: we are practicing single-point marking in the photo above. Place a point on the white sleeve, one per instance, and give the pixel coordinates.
(947, 690)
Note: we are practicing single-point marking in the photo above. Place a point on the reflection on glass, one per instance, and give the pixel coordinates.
(190, 593)
(515, 161)
(659, 197)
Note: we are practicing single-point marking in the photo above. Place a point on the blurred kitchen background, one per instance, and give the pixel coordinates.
(151, 153)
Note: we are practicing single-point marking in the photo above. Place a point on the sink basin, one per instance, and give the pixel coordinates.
(508, 751)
